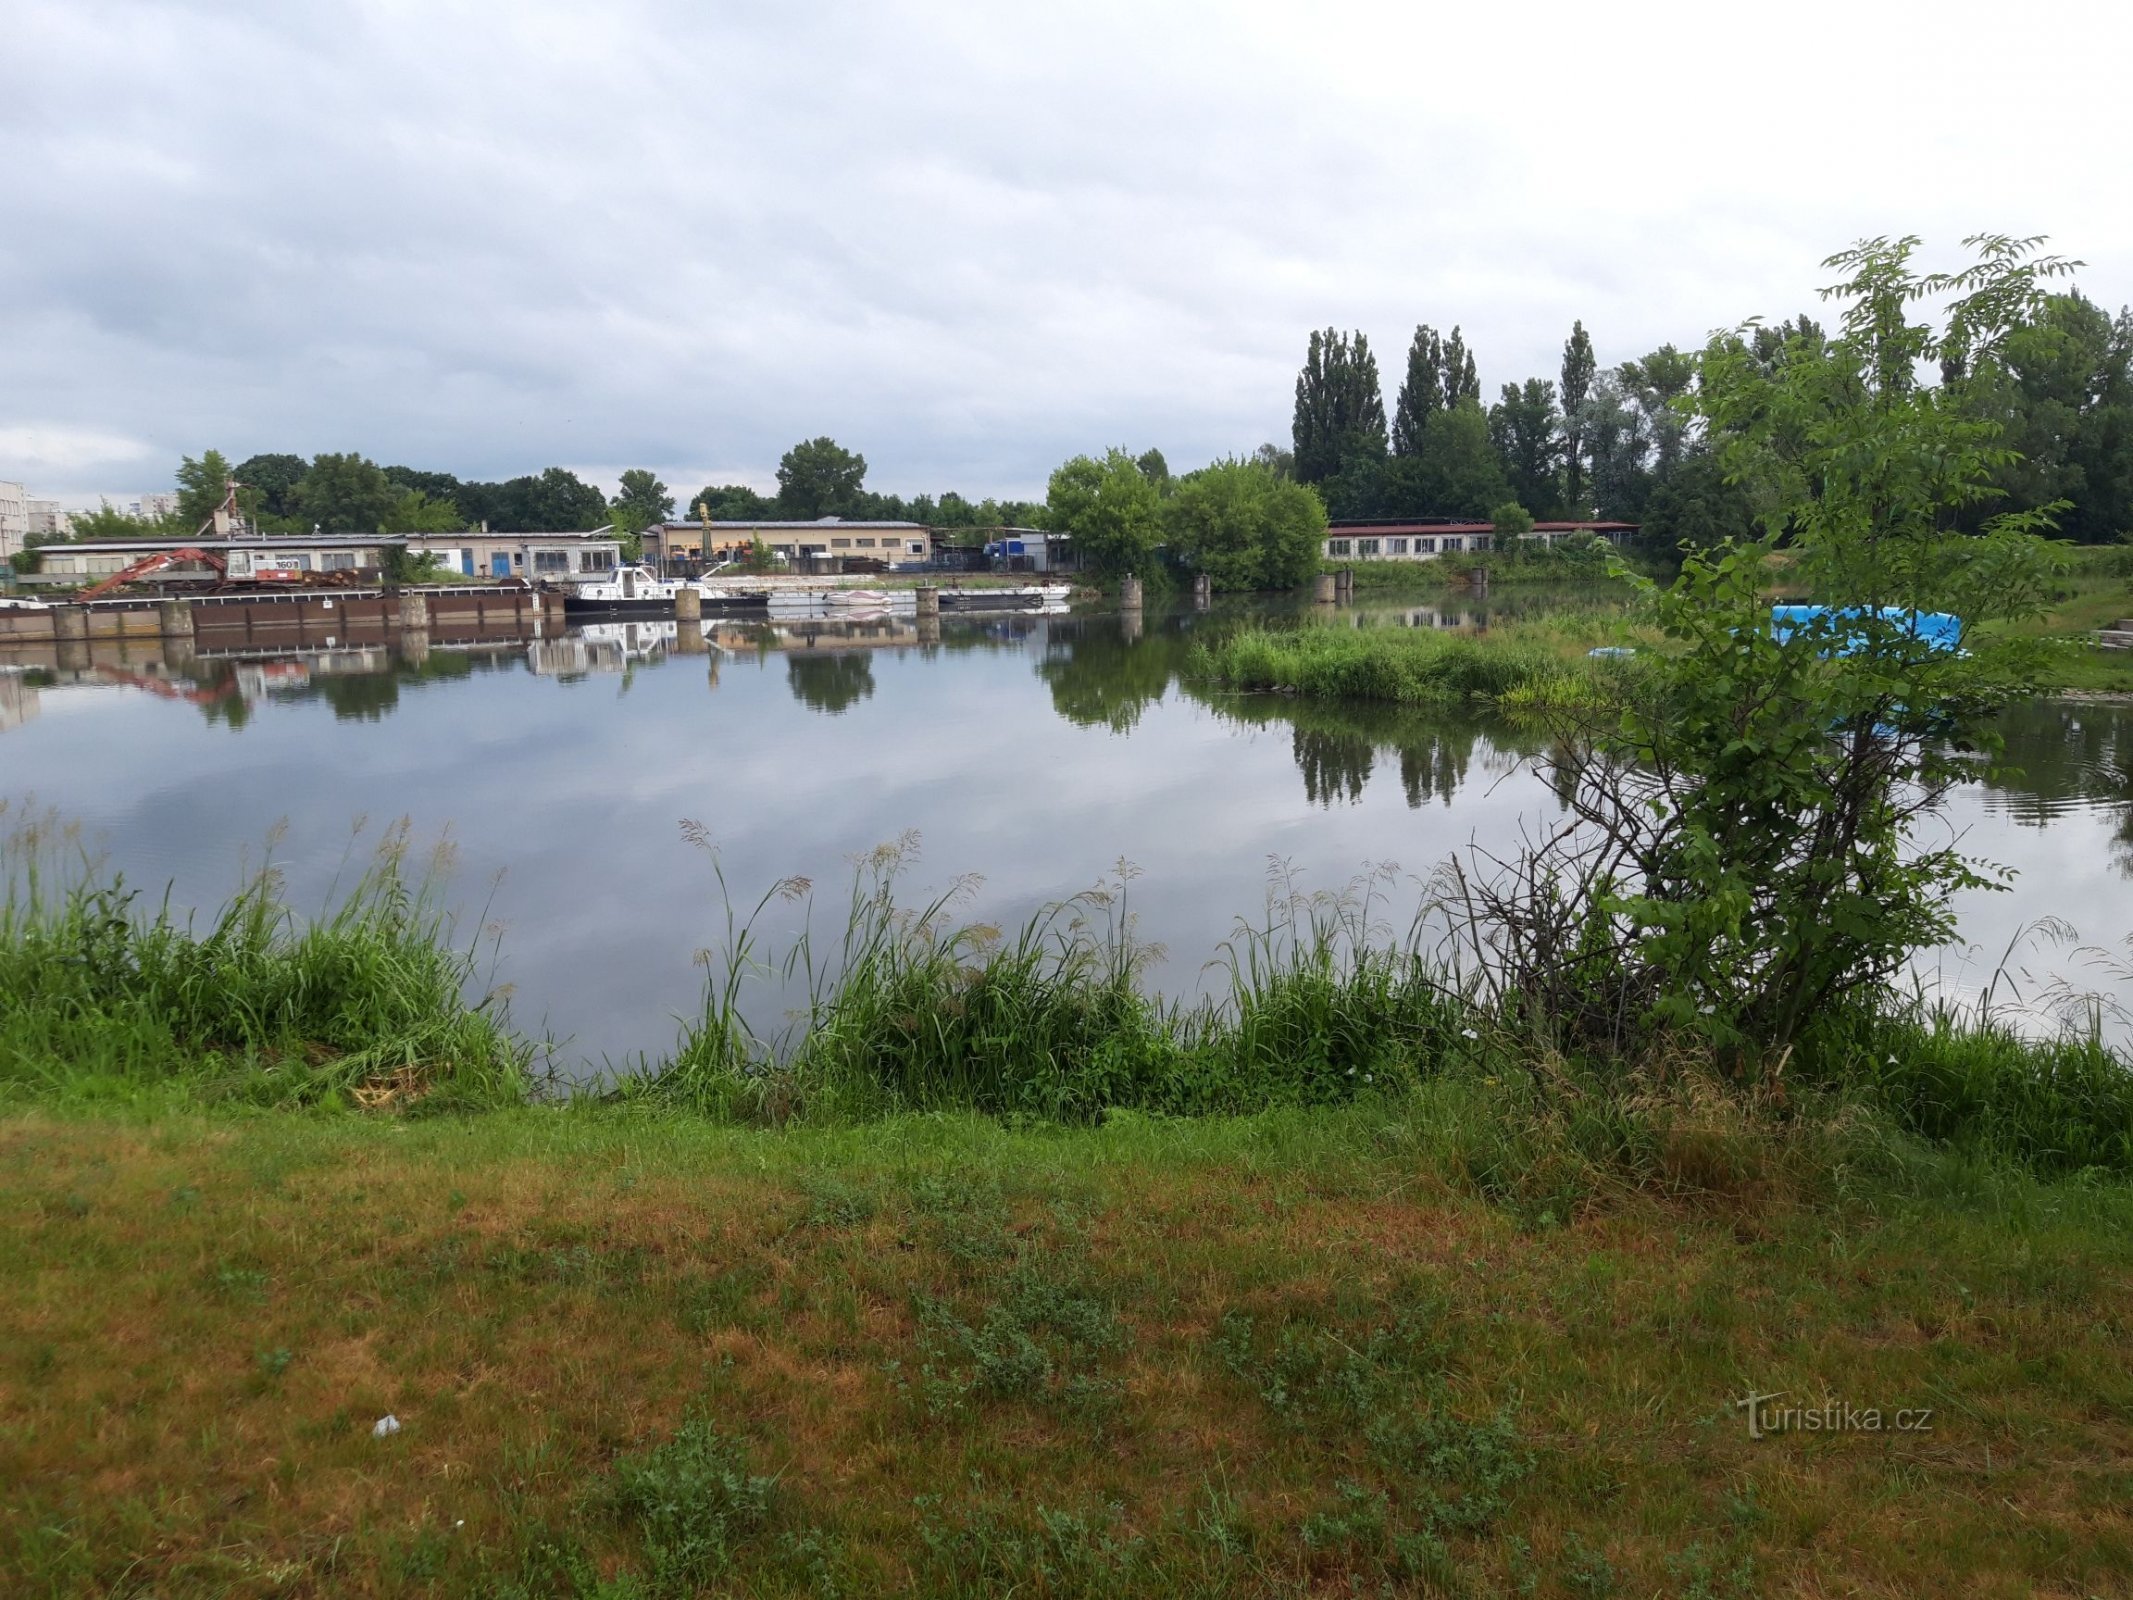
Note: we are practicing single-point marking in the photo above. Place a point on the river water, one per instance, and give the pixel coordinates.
(1034, 752)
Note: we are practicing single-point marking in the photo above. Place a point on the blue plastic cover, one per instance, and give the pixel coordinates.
(1937, 628)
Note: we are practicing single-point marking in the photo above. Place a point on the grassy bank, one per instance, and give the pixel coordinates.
(1544, 662)
(1521, 564)
(994, 1275)
(106, 995)
(1298, 1353)
(2096, 592)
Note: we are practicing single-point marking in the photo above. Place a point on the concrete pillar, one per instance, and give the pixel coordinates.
(1129, 625)
(178, 652)
(1203, 592)
(70, 635)
(174, 619)
(1323, 592)
(1129, 594)
(929, 605)
(414, 646)
(929, 624)
(1479, 579)
(415, 612)
(689, 608)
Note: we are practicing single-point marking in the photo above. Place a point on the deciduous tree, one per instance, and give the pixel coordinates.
(345, 493)
(201, 487)
(1109, 509)
(647, 499)
(1340, 405)
(1578, 369)
(819, 478)
(1523, 427)
(1245, 526)
(1421, 391)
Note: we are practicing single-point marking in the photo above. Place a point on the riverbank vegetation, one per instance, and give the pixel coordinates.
(1521, 664)
(1285, 1354)
(107, 996)
(949, 1260)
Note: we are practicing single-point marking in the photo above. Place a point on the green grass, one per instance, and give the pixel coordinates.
(1522, 564)
(997, 1305)
(914, 1010)
(105, 995)
(1305, 1352)
(2097, 591)
(1528, 665)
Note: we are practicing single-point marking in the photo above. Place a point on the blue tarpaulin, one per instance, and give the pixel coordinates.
(1936, 628)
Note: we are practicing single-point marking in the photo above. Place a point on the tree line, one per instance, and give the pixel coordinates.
(348, 493)
(1620, 443)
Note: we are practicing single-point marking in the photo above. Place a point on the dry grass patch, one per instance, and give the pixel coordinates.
(987, 1362)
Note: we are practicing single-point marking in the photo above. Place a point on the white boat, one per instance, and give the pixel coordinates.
(1018, 597)
(637, 591)
(815, 602)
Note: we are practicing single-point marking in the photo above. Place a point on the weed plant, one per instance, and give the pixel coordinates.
(914, 1011)
(105, 996)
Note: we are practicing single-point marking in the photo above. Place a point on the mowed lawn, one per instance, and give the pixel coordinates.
(641, 1356)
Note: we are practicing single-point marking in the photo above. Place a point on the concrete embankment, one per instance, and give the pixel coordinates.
(70, 635)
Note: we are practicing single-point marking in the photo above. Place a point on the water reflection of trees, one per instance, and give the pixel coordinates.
(2062, 754)
(1100, 680)
(831, 683)
(1338, 746)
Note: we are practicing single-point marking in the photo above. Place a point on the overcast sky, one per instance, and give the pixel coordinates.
(967, 240)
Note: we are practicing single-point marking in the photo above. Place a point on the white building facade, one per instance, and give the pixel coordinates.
(14, 518)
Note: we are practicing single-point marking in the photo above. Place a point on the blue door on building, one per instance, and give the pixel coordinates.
(466, 563)
(500, 565)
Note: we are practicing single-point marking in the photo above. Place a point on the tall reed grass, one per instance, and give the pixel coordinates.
(104, 995)
(911, 1009)
(1318, 1002)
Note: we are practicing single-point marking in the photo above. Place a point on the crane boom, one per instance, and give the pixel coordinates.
(154, 563)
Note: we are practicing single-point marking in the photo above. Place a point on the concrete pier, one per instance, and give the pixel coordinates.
(1323, 592)
(1129, 593)
(689, 637)
(175, 619)
(1478, 580)
(1344, 586)
(1203, 592)
(929, 603)
(70, 633)
(414, 610)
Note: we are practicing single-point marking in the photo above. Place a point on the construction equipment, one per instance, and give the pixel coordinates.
(154, 563)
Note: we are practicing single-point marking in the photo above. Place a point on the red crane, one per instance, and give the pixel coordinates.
(155, 563)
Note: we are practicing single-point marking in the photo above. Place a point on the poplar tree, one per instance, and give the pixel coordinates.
(1421, 393)
(1340, 405)
(1461, 382)
(1578, 369)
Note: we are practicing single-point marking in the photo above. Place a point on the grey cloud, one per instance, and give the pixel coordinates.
(965, 240)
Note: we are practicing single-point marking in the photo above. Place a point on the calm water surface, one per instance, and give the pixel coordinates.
(1036, 752)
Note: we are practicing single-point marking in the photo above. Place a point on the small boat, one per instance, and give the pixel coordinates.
(638, 591)
(1018, 597)
(815, 602)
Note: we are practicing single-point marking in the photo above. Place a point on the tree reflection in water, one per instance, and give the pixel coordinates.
(831, 683)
